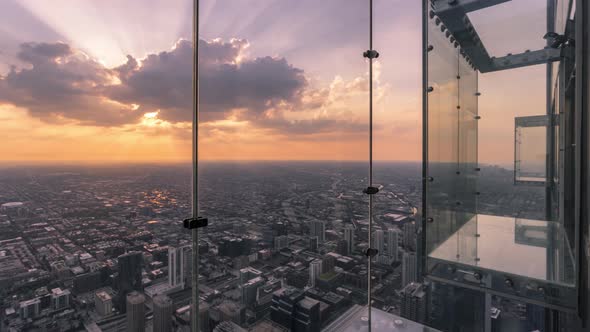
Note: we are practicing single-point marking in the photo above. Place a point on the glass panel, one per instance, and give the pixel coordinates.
(530, 150)
(283, 147)
(442, 135)
(94, 162)
(500, 26)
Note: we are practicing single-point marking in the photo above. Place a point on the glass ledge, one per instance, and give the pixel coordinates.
(523, 257)
(355, 320)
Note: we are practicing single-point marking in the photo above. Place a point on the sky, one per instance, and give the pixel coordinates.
(110, 80)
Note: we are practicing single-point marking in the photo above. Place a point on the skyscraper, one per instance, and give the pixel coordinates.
(315, 269)
(177, 265)
(163, 309)
(409, 268)
(349, 238)
(307, 315)
(409, 231)
(318, 228)
(103, 303)
(250, 289)
(414, 302)
(135, 312)
(393, 243)
(379, 242)
(129, 276)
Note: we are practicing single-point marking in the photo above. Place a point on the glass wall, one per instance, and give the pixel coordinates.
(95, 166)
(283, 150)
(494, 220)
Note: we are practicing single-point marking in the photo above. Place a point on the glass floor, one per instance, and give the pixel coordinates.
(529, 248)
(355, 320)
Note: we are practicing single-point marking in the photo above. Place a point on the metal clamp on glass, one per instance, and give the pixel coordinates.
(192, 223)
(371, 252)
(371, 190)
(371, 54)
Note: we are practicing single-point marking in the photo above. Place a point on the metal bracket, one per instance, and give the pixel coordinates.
(371, 252)
(371, 190)
(192, 223)
(371, 54)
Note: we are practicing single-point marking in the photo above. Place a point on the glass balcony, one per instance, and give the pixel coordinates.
(495, 214)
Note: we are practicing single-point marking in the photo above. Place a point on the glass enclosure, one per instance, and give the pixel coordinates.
(495, 216)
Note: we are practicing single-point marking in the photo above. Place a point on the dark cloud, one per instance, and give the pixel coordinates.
(164, 81)
(63, 83)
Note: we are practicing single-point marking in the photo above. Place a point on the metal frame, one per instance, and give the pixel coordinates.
(453, 14)
(195, 177)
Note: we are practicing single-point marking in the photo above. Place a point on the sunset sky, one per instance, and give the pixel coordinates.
(110, 80)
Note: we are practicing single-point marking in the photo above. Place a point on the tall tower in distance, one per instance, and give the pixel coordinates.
(315, 269)
(393, 243)
(409, 268)
(379, 242)
(318, 228)
(163, 309)
(349, 238)
(129, 276)
(177, 269)
(135, 312)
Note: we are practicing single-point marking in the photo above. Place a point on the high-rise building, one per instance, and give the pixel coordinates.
(249, 273)
(177, 268)
(409, 268)
(349, 238)
(393, 243)
(313, 243)
(291, 309)
(414, 302)
(103, 303)
(60, 299)
(281, 242)
(163, 309)
(307, 315)
(328, 263)
(135, 312)
(409, 236)
(129, 276)
(250, 290)
(318, 228)
(315, 269)
(204, 316)
(379, 242)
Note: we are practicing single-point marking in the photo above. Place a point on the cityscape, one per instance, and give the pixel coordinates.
(102, 248)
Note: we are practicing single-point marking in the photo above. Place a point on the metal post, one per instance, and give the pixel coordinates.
(369, 257)
(195, 179)
(422, 265)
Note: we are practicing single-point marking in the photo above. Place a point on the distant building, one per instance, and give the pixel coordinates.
(409, 232)
(129, 276)
(414, 302)
(281, 242)
(29, 308)
(294, 311)
(103, 303)
(228, 327)
(318, 228)
(60, 299)
(177, 265)
(393, 235)
(379, 242)
(313, 243)
(135, 312)
(349, 238)
(250, 290)
(328, 264)
(315, 269)
(409, 268)
(163, 309)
